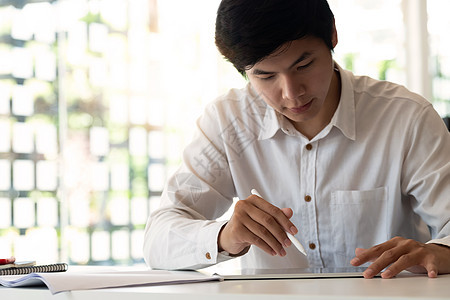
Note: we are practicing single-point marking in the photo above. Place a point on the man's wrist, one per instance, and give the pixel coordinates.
(442, 245)
(223, 252)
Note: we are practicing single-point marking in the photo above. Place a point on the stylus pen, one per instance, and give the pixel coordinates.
(294, 241)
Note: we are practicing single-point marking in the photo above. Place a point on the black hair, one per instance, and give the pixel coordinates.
(247, 31)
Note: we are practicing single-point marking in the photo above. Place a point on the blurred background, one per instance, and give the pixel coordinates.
(99, 97)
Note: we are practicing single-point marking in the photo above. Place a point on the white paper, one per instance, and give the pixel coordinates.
(91, 279)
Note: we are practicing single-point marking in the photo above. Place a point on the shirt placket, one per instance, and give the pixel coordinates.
(308, 184)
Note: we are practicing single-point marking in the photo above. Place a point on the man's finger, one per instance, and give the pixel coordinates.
(259, 242)
(267, 227)
(432, 273)
(253, 226)
(275, 212)
(403, 262)
(371, 254)
(287, 212)
(263, 235)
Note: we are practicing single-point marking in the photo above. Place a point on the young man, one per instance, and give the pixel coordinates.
(357, 169)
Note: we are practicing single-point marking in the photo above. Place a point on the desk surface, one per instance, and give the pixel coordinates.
(404, 286)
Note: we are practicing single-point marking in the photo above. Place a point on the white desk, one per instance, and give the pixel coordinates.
(400, 288)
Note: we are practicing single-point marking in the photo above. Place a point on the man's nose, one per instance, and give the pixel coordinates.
(292, 89)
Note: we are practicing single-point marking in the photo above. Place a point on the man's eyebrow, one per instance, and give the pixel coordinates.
(261, 72)
(300, 59)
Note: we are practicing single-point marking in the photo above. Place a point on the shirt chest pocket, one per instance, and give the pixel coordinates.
(359, 219)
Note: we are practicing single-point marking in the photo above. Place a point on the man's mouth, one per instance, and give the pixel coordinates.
(301, 109)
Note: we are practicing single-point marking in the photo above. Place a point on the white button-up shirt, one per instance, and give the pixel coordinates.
(380, 169)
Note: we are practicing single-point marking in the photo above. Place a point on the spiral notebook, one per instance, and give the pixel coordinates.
(27, 269)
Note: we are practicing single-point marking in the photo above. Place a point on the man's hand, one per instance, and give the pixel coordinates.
(257, 222)
(404, 254)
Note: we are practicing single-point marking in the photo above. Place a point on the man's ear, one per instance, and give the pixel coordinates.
(334, 36)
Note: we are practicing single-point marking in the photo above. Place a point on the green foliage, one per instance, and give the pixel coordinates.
(383, 68)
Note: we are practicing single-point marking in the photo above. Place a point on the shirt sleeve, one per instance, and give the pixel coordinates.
(427, 173)
(182, 233)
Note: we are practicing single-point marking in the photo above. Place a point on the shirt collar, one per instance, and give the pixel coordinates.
(272, 122)
(343, 118)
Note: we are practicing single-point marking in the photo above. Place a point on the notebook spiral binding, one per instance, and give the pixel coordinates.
(59, 267)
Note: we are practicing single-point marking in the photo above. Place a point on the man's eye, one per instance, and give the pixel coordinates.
(305, 66)
(267, 77)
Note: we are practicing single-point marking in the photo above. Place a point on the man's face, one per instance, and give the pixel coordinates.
(296, 81)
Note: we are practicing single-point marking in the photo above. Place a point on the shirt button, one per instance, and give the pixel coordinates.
(309, 147)
(312, 246)
(208, 255)
(308, 198)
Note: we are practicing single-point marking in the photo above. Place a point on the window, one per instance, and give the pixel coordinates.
(99, 97)
(439, 59)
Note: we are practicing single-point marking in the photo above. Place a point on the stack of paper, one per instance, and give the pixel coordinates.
(91, 279)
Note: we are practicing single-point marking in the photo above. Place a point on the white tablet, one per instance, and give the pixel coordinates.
(243, 274)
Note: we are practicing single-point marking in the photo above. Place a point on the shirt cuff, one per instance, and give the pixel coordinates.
(443, 241)
(208, 252)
